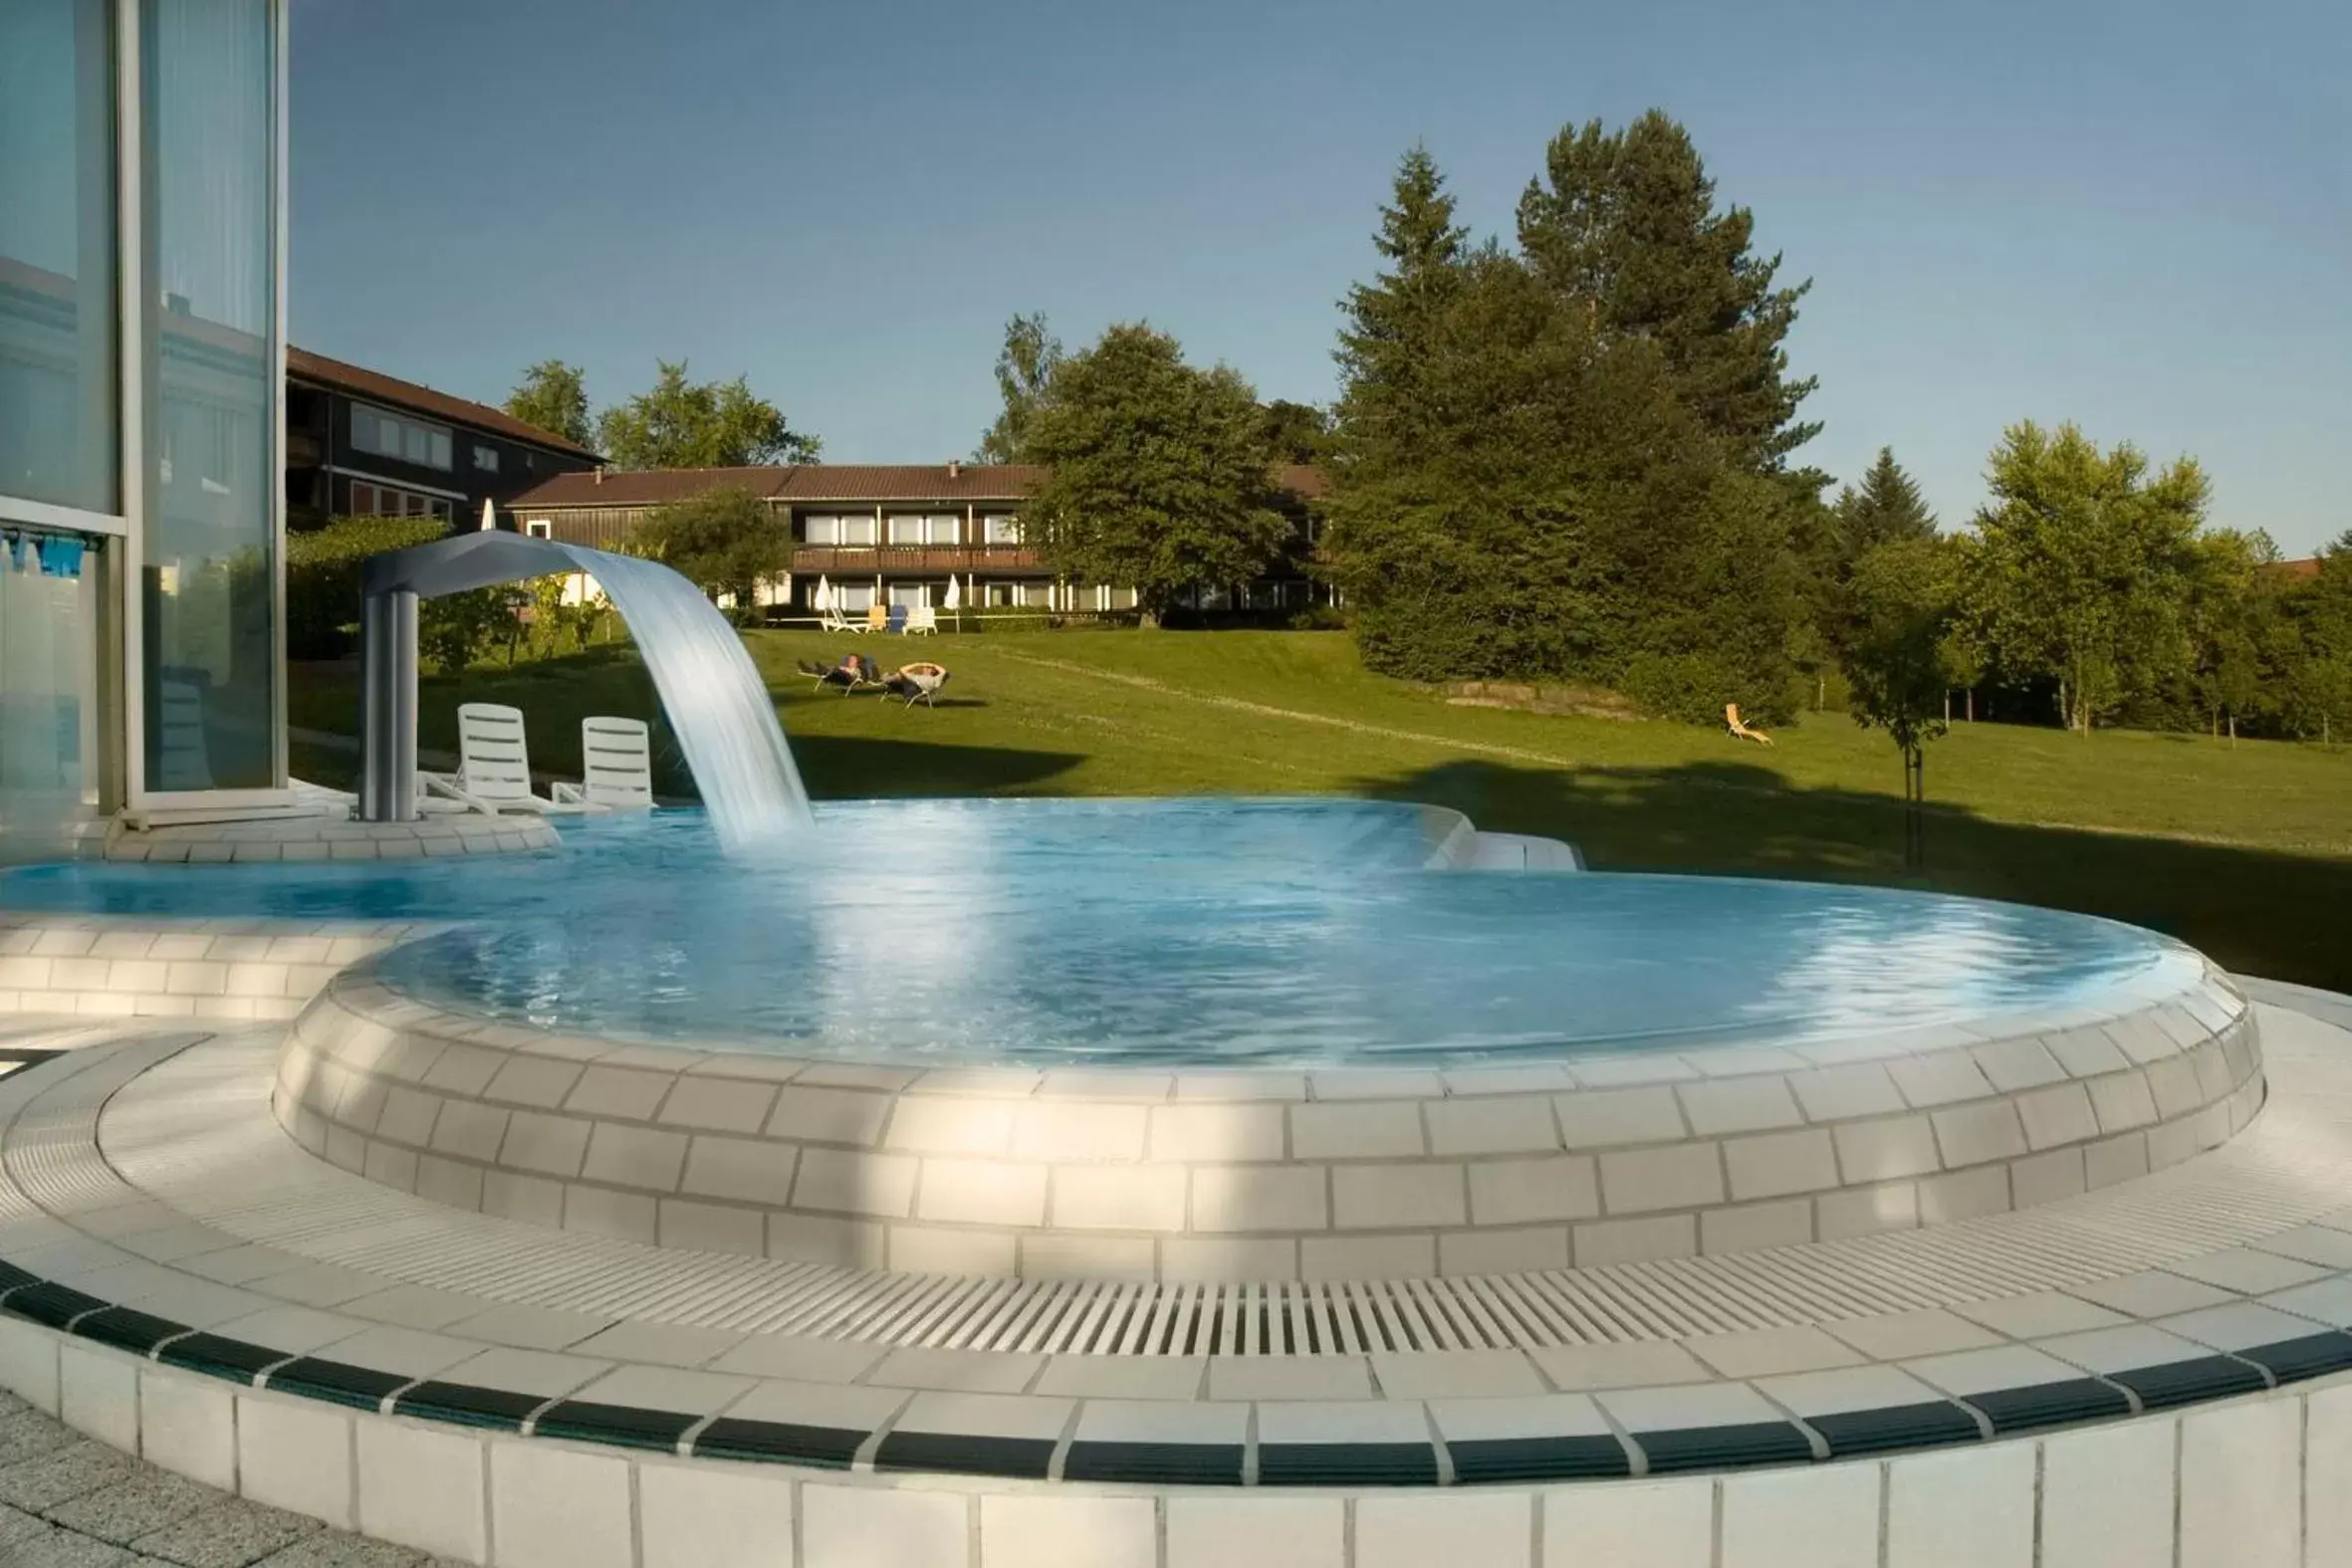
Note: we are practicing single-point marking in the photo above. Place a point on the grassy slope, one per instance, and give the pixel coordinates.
(2246, 851)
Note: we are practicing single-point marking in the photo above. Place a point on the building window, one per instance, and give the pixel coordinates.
(853, 598)
(57, 255)
(486, 459)
(1000, 528)
(854, 529)
(540, 528)
(397, 436)
(371, 499)
(1122, 598)
(917, 527)
(910, 594)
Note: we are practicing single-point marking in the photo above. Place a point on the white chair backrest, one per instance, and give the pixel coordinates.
(493, 763)
(922, 617)
(615, 761)
(182, 764)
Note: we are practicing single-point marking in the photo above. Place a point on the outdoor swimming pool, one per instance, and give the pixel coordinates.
(1242, 932)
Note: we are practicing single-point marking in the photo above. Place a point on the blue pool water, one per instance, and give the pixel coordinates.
(1240, 933)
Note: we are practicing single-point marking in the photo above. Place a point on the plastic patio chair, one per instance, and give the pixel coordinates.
(617, 766)
(494, 763)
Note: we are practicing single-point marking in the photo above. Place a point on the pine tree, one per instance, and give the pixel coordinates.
(1624, 225)
(1885, 507)
(1390, 335)
(1521, 491)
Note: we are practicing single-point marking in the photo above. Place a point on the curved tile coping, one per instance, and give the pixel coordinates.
(1467, 1440)
(589, 1480)
(2246, 1481)
(1350, 1173)
(152, 966)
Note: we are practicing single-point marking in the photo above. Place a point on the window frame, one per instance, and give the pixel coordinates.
(439, 441)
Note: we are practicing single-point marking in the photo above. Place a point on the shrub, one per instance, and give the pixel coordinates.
(322, 579)
(1695, 686)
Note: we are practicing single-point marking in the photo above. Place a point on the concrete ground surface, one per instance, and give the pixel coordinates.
(69, 1502)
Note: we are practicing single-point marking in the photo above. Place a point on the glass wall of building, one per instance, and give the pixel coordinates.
(60, 380)
(208, 564)
(48, 677)
(58, 354)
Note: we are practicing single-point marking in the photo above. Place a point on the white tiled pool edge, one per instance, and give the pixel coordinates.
(119, 965)
(1181, 1174)
(2262, 1482)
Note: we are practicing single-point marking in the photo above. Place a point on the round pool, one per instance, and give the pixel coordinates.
(1059, 933)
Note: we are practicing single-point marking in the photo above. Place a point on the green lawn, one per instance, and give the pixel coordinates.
(2245, 850)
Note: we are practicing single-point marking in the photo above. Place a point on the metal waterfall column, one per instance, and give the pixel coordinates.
(389, 586)
(388, 723)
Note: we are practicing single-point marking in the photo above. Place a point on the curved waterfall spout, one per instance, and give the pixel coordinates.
(718, 705)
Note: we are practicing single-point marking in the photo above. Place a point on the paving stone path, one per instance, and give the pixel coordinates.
(69, 1502)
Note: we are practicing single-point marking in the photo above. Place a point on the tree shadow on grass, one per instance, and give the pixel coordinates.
(2263, 912)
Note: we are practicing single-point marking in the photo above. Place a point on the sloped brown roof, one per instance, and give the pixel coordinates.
(376, 386)
(815, 483)
(2294, 570)
(1304, 480)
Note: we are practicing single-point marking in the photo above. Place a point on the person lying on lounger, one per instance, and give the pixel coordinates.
(916, 683)
(852, 673)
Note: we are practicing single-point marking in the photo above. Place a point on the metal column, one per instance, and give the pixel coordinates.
(387, 720)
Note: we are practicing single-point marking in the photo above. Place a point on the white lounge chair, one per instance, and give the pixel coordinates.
(834, 620)
(494, 763)
(617, 766)
(921, 620)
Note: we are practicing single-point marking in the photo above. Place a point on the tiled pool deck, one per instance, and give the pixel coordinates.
(2100, 1379)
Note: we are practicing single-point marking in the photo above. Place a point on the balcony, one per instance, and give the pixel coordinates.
(913, 559)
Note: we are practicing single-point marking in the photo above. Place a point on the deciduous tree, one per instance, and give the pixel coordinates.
(1294, 432)
(2082, 565)
(1160, 477)
(1903, 596)
(678, 423)
(553, 396)
(726, 542)
(1024, 373)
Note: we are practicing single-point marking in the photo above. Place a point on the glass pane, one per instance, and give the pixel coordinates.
(57, 254)
(209, 572)
(437, 452)
(48, 687)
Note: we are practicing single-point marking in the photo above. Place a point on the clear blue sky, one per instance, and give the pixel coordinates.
(2138, 216)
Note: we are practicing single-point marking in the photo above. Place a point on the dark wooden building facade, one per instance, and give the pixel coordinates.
(360, 443)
